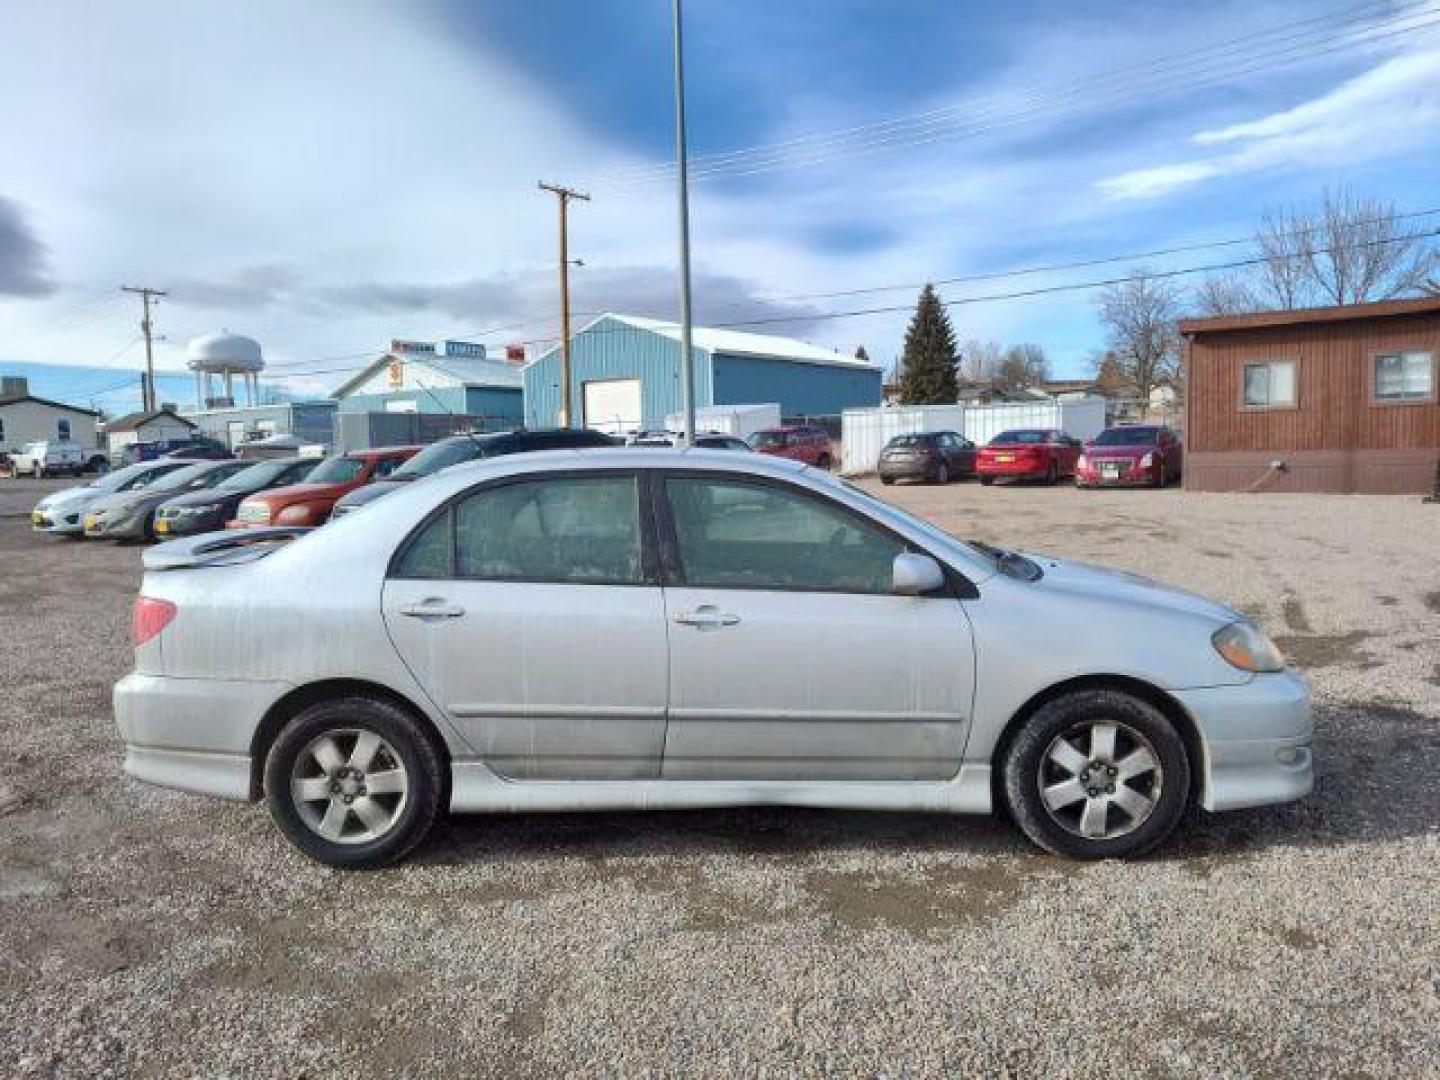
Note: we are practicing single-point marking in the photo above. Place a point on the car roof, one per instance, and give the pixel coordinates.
(381, 451)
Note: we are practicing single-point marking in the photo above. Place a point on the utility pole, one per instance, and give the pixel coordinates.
(687, 369)
(146, 295)
(564, 195)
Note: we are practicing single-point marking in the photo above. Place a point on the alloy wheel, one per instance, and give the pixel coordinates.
(349, 786)
(1100, 780)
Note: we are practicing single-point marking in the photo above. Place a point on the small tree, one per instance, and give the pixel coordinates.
(928, 365)
(1140, 316)
(1022, 366)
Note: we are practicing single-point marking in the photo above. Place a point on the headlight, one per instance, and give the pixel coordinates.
(255, 513)
(1081, 463)
(1244, 646)
(1147, 461)
(299, 514)
(196, 511)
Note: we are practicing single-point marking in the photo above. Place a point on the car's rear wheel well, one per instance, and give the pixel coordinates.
(1147, 692)
(302, 697)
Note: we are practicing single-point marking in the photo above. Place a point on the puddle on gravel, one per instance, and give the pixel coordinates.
(1431, 600)
(1326, 650)
(1293, 611)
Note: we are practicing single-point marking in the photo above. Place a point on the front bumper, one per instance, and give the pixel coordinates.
(1127, 474)
(192, 734)
(1257, 741)
(105, 527)
(189, 524)
(59, 522)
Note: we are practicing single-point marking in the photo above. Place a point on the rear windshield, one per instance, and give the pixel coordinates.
(1127, 436)
(336, 470)
(901, 442)
(1026, 437)
(260, 475)
(440, 455)
(769, 438)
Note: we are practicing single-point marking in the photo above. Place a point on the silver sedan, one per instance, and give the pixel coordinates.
(603, 629)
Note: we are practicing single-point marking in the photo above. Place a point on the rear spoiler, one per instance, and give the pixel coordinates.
(221, 548)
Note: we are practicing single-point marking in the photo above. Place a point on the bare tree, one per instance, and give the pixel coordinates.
(1022, 366)
(1349, 251)
(1226, 295)
(980, 361)
(1140, 316)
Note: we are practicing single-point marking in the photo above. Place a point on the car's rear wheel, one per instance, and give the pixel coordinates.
(986, 481)
(887, 480)
(942, 473)
(1097, 774)
(824, 462)
(353, 783)
(1052, 473)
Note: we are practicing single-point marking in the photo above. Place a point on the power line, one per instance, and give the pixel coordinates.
(934, 126)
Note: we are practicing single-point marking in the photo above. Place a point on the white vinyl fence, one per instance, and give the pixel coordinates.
(864, 432)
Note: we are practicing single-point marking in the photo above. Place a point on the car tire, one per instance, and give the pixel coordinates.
(986, 481)
(823, 462)
(398, 819)
(887, 480)
(942, 474)
(1052, 474)
(1060, 788)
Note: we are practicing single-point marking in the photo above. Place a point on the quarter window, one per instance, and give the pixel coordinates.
(1405, 376)
(1270, 385)
(750, 536)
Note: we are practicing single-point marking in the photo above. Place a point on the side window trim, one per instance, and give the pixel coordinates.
(649, 557)
(958, 587)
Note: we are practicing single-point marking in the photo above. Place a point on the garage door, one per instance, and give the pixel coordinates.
(612, 405)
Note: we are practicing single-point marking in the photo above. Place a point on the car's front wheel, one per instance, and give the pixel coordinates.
(1097, 774)
(353, 782)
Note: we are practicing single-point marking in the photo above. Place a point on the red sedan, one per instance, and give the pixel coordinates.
(1131, 456)
(1028, 454)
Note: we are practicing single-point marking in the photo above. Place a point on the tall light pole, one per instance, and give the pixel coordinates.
(564, 195)
(687, 368)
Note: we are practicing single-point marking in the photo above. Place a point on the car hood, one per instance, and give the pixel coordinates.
(72, 498)
(125, 500)
(300, 493)
(206, 498)
(1120, 586)
(370, 492)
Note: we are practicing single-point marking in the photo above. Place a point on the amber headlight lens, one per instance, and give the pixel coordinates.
(1244, 646)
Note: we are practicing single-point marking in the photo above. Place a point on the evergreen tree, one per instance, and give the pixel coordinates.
(928, 365)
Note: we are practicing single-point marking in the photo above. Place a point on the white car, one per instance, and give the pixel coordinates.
(51, 457)
(63, 512)
(604, 629)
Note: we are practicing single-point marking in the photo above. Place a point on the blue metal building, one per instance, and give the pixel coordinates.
(625, 375)
(452, 377)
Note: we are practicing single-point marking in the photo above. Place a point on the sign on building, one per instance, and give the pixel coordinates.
(401, 347)
(395, 373)
(468, 350)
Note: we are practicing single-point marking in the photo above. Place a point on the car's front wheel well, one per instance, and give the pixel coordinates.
(1147, 692)
(302, 697)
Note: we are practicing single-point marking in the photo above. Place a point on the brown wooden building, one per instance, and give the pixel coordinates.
(1324, 399)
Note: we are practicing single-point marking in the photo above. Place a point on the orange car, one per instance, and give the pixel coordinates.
(310, 503)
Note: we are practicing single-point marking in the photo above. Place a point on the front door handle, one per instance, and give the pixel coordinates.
(706, 617)
(432, 607)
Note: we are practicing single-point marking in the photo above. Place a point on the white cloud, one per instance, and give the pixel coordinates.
(1390, 109)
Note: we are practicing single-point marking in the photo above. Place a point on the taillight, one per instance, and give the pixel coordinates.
(149, 618)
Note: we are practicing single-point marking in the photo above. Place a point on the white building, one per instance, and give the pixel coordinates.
(25, 418)
(157, 425)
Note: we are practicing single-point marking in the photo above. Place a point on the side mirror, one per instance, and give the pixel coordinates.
(917, 574)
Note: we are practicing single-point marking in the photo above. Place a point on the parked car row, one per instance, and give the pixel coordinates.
(1129, 455)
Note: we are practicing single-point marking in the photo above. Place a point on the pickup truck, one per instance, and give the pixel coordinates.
(50, 458)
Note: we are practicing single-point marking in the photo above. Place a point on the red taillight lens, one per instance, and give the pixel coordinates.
(149, 618)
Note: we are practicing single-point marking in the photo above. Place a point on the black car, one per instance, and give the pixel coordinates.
(459, 448)
(936, 456)
(207, 511)
(195, 448)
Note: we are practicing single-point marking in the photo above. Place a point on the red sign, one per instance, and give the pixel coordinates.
(515, 354)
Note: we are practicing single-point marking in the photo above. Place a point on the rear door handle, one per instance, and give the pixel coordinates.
(432, 607)
(706, 617)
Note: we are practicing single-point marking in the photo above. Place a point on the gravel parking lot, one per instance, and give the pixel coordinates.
(144, 932)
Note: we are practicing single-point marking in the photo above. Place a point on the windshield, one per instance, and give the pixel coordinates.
(181, 478)
(1026, 437)
(263, 474)
(1127, 436)
(440, 455)
(768, 438)
(120, 478)
(336, 470)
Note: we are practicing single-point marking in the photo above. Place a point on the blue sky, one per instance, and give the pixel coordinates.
(328, 175)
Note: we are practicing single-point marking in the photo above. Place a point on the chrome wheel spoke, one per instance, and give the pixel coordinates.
(374, 816)
(333, 823)
(1067, 757)
(327, 754)
(311, 788)
(388, 782)
(1132, 802)
(1065, 793)
(366, 744)
(1102, 742)
(1092, 820)
(1136, 763)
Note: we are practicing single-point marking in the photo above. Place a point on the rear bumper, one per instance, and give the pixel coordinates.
(908, 470)
(1016, 470)
(1257, 741)
(191, 734)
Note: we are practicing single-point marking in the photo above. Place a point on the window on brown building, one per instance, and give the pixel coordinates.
(1405, 376)
(1270, 385)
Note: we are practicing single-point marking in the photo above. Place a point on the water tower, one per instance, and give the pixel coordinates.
(225, 355)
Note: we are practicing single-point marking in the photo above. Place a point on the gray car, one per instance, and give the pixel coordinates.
(608, 629)
(63, 512)
(130, 515)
